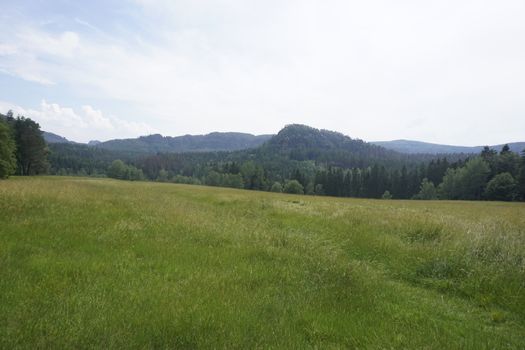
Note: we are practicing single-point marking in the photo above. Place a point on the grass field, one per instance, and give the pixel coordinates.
(94, 263)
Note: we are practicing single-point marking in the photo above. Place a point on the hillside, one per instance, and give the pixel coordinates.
(301, 143)
(50, 137)
(414, 147)
(97, 263)
(291, 137)
(216, 141)
(294, 143)
(296, 137)
(321, 162)
(318, 159)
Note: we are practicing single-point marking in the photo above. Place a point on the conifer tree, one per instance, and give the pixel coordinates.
(7, 151)
(31, 149)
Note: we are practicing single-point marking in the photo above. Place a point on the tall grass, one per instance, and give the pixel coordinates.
(91, 263)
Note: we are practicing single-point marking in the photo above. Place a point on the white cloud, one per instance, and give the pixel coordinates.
(81, 126)
(363, 68)
(41, 44)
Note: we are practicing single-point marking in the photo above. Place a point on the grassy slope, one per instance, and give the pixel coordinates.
(102, 263)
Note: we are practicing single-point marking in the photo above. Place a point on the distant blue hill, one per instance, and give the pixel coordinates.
(413, 147)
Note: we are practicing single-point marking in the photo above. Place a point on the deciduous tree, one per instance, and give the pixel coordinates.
(502, 187)
(293, 186)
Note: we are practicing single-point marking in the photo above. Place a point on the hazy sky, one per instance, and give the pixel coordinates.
(439, 71)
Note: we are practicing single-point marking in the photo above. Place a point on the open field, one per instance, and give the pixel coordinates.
(94, 263)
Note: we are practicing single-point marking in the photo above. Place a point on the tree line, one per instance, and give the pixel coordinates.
(298, 160)
(488, 176)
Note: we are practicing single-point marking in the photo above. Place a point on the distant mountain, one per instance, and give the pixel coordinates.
(298, 138)
(54, 138)
(216, 141)
(300, 142)
(294, 147)
(414, 147)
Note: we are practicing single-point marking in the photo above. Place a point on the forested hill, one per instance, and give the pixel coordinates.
(295, 146)
(299, 159)
(300, 142)
(216, 141)
(294, 141)
(414, 147)
(50, 137)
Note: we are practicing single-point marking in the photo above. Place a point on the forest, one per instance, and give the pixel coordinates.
(299, 159)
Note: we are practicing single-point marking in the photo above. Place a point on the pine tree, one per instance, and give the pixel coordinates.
(521, 177)
(402, 191)
(505, 149)
(347, 184)
(7, 151)
(31, 152)
(356, 186)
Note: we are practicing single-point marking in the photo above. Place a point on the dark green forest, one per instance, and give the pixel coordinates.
(224, 141)
(23, 150)
(299, 159)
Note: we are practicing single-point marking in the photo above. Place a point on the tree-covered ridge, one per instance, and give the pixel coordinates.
(224, 141)
(216, 141)
(50, 137)
(295, 148)
(415, 147)
(301, 142)
(299, 159)
(80, 159)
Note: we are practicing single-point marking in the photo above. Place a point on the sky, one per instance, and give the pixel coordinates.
(444, 71)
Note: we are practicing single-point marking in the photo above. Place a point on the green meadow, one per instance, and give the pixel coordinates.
(97, 263)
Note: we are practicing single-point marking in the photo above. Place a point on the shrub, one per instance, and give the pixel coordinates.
(293, 186)
(163, 176)
(277, 187)
(117, 170)
(502, 187)
(427, 190)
